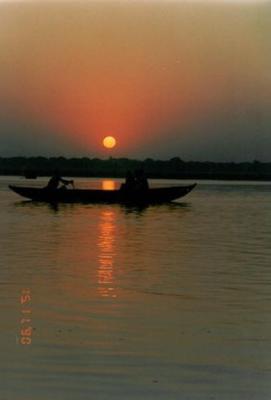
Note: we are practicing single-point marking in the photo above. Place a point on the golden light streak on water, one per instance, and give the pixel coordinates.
(106, 243)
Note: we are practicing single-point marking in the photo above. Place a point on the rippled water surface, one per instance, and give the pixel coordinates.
(166, 302)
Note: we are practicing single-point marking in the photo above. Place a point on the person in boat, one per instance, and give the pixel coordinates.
(56, 180)
(142, 184)
(135, 183)
(130, 182)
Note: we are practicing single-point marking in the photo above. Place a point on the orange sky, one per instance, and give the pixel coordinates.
(159, 76)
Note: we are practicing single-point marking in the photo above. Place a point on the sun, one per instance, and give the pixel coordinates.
(109, 142)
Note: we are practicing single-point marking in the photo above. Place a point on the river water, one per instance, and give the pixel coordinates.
(107, 302)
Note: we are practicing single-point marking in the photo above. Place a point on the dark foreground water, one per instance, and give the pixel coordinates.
(169, 302)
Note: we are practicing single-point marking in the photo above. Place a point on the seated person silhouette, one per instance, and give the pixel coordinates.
(135, 183)
(129, 184)
(55, 180)
(141, 181)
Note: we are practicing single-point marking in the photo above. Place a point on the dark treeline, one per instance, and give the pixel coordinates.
(117, 167)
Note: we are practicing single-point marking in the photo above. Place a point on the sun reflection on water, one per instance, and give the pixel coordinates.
(106, 247)
(108, 184)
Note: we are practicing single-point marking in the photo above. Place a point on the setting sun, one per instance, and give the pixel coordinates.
(109, 142)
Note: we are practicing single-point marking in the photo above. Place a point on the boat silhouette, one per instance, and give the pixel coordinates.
(63, 195)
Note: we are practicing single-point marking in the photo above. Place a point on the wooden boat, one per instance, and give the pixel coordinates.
(150, 196)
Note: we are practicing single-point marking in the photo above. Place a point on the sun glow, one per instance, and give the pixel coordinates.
(109, 142)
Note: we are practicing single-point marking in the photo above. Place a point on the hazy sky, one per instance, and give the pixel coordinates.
(166, 78)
